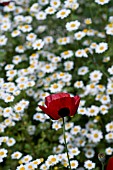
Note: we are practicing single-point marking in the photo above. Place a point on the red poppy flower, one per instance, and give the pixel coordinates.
(60, 105)
(5, 3)
(110, 164)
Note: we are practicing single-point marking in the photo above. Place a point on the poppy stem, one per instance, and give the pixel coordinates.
(65, 142)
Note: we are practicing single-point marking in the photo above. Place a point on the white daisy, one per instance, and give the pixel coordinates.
(101, 47)
(55, 3)
(74, 151)
(109, 151)
(75, 130)
(103, 109)
(81, 53)
(73, 25)
(109, 137)
(95, 76)
(16, 155)
(20, 49)
(26, 28)
(50, 10)
(31, 37)
(43, 2)
(67, 54)
(79, 84)
(102, 2)
(82, 111)
(79, 35)
(83, 70)
(89, 153)
(56, 126)
(89, 164)
(92, 111)
(74, 164)
(26, 159)
(105, 99)
(55, 87)
(38, 44)
(96, 136)
(68, 65)
(41, 15)
(109, 127)
(11, 142)
(63, 13)
(3, 40)
(110, 70)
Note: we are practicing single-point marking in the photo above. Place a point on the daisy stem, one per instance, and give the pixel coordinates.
(65, 142)
(102, 166)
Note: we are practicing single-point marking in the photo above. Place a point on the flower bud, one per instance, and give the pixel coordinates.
(101, 157)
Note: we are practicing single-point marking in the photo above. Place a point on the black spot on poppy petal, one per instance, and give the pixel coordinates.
(64, 112)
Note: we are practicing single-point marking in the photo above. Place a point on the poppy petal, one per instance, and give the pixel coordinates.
(46, 110)
(110, 164)
(43, 108)
(73, 107)
(60, 105)
(56, 105)
(77, 100)
(52, 97)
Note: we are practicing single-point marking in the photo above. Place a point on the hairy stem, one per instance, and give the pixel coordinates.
(65, 142)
